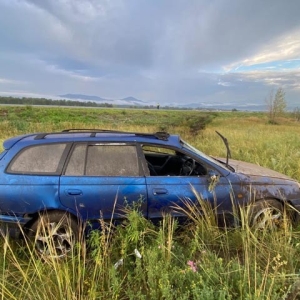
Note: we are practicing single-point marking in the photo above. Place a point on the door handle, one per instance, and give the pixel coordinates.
(160, 191)
(73, 192)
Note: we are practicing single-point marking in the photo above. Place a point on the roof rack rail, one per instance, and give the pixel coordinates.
(160, 135)
(86, 129)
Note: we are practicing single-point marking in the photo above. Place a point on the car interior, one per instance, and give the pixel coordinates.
(167, 162)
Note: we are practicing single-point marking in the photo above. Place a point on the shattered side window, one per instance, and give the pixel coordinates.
(38, 159)
(104, 160)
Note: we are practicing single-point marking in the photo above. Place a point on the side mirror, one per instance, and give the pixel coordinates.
(213, 176)
(213, 179)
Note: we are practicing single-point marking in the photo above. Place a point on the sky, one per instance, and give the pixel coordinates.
(171, 52)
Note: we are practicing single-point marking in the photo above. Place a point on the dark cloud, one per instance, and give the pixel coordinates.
(167, 51)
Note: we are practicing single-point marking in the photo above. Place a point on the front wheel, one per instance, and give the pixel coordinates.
(266, 214)
(54, 234)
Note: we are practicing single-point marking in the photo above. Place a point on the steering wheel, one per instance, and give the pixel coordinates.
(188, 167)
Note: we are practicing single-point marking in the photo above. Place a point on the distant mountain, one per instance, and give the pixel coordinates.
(130, 98)
(131, 101)
(226, 106)
(82, 97)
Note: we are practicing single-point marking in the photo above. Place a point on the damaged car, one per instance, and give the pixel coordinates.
(65, 180)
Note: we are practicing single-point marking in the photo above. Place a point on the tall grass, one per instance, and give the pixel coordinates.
(138, 260)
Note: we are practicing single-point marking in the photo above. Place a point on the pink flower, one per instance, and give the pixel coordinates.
(192, 265)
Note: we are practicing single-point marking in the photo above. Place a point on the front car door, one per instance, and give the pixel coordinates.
(177, 178)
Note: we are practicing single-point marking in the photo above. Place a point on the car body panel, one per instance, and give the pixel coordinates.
(252, 169)
(90, 195)
(165, 194)
(28, 194)
(261, 182)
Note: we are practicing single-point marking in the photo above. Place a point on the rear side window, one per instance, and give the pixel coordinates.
(38, 159)
(103, 160)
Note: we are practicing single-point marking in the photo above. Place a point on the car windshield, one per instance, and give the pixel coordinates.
(209, 158)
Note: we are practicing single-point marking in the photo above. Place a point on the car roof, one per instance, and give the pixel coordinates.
(70, 135)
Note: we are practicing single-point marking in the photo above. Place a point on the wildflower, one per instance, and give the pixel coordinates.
(118, 263)
(137, 253)
(192, 265)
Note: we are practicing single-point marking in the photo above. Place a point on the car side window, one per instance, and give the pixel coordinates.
(103, 160)
(37, 159)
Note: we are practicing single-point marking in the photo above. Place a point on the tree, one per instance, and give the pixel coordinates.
(297, 113)
(276, 105)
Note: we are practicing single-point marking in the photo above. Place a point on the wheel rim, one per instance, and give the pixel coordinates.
(54, 239)
(267, 217)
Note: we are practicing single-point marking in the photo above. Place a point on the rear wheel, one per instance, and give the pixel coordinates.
(54, 234)
(266, 214)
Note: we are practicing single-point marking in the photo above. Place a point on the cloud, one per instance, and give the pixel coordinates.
(9, 81)
(168, 51)
(25, 28)
(282, 50)
(223, 83)
(76, 74)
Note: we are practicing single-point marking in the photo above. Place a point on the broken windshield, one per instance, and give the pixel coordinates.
(200, 153)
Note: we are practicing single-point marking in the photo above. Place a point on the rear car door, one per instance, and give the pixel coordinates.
(101, 178)
(30, 181)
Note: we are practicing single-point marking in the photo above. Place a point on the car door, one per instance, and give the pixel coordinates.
(169, 192)
(101, 178)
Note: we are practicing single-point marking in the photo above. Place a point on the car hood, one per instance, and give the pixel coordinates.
(252, 169)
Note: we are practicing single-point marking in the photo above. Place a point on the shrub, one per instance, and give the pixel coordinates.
(198, 123)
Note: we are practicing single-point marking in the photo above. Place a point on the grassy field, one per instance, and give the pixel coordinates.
(141, 261)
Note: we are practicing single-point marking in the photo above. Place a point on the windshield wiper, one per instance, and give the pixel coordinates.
(228, 154)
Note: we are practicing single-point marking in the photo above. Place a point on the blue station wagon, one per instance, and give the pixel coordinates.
(66, 179)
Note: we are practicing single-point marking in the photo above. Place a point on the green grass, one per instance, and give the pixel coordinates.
(195, 261)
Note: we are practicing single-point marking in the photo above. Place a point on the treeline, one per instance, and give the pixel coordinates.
(64, 102)
(44, 101)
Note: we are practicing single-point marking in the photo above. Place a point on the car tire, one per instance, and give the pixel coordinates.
(266, 214)
(54, 234)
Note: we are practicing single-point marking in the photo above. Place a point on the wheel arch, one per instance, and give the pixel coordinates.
(35, 216)
(287, 206)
